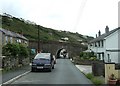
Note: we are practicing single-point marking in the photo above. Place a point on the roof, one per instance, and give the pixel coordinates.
(13, 34)
(104, 35)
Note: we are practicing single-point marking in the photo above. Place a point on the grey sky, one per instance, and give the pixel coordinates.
(83, 16)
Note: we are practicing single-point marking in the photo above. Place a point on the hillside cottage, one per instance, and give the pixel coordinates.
(7, 36)
(107, 46)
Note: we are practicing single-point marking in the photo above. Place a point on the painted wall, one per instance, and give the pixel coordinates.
(110, 69)
(112, 44)
(112, 41)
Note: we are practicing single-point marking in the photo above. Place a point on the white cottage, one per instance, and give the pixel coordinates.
(107, 45)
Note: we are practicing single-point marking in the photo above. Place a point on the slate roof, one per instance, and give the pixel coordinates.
(104, 35)
(13, 34)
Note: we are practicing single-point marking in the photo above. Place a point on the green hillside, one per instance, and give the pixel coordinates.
(30, 30)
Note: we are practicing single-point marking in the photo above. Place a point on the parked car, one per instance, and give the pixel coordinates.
(43, 61)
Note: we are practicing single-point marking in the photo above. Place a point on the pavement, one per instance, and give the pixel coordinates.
(12, 75)
(85, 68)
(15, 74)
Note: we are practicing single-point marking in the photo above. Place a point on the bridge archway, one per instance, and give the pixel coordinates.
(61, 53)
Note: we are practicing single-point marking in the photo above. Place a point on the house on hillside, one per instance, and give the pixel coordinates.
(7, 36)
(107, 46)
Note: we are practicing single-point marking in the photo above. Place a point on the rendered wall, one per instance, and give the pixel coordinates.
(110, 69)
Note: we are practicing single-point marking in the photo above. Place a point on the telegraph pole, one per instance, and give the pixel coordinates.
(38, 40)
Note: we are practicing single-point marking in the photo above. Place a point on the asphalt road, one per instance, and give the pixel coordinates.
(64, 73)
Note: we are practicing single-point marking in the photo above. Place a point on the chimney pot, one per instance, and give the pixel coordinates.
(99, 33)
(106, 29)
(96, 35)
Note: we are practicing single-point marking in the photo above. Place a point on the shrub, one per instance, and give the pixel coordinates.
(10, 50)
(87, 55)
(89, 76)
(23, 51)
(96, 81)
(15, 50)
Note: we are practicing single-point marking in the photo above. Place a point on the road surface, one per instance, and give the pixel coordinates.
(64, 73)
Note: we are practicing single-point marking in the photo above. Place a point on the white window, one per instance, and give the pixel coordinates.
(102, 43)
(19, 41)
(98, 43)
(95, 44)
(109, 60)
(6, 39)
(11, 40)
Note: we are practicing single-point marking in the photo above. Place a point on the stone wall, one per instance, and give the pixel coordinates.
(10, 63)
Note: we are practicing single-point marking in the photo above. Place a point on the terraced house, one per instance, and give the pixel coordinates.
(107, 46)
(7, 36)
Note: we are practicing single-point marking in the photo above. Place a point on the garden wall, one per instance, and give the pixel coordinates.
(10, 63)
(110, 69)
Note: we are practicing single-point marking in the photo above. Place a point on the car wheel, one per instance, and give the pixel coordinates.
(32, 70)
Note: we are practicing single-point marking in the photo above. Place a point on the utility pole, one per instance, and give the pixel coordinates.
(38, 40)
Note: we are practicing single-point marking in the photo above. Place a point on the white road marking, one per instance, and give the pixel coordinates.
(11, 80)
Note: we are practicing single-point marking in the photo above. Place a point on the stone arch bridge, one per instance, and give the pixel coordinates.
(55, 47)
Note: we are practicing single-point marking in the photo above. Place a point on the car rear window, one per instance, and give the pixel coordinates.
(43, 56)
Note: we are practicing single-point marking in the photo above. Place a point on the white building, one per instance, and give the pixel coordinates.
(107, 45)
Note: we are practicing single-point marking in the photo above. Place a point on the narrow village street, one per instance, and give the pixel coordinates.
(64, 73)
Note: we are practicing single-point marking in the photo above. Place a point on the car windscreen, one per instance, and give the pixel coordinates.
(42, 56)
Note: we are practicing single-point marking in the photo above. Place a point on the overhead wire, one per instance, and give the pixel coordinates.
(82, 6)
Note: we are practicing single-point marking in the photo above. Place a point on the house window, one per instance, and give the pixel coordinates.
(6, 39)
(103, 56)
(11, 39)
(95, 44)
(20, 41)
(17, 40)
(102, 43)
(99, 56)
(99, 43)
(109, 60)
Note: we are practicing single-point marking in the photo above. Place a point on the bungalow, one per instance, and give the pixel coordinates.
(107, 46)
(7, 36)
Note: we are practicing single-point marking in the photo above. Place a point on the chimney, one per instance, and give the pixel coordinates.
(99, 33)
(106, 29)
(96, 35)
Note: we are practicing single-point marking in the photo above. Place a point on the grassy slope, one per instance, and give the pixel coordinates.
(31, 31)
